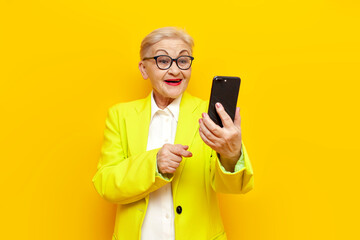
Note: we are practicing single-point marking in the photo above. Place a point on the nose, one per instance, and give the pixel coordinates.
(174, 69)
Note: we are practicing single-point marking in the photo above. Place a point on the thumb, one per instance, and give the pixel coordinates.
(237, 119)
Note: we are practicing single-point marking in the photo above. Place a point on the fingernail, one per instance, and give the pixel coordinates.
(203, 115)
(218, 105)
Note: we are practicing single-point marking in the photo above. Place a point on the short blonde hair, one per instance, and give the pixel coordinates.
(162, 33)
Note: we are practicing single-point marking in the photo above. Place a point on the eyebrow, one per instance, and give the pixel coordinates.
(184, 50)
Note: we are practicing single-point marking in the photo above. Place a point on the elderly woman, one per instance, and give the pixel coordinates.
(163, 159)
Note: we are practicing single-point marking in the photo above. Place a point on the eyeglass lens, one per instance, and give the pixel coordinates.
(164, 62)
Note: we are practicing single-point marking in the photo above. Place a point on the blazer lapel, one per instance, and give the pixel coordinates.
(186, 129)
(137, 126)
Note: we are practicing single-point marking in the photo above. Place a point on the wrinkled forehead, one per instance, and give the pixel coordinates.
(171, 47)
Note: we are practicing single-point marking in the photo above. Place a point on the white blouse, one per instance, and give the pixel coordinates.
(159, 219)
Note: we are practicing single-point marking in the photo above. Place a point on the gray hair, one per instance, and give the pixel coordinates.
(162, 33)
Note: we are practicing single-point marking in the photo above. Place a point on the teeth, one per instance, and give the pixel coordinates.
(173, 81)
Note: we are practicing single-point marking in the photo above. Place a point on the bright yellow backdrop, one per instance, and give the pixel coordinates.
(63, 63)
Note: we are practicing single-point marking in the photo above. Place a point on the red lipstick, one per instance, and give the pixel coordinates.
(173, 82)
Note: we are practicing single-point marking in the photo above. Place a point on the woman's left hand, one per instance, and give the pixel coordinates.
(226, 141)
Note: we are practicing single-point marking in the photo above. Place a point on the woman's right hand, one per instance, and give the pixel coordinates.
(169, 157)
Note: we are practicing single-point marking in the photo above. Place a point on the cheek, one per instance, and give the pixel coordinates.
(187, 74)
(156, 75)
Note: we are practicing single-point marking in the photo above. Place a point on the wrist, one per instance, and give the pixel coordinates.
(229, 162)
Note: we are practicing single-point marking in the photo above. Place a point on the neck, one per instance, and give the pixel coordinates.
(161, 101)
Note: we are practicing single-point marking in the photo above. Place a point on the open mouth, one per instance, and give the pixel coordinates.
(173, 82)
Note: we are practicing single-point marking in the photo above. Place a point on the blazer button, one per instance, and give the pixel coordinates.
(179, 209)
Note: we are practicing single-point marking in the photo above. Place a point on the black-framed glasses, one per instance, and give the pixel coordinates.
(164, 62)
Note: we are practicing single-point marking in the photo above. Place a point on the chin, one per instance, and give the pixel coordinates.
(175, 94)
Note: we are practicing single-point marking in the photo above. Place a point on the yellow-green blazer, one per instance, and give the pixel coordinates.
(127, 172)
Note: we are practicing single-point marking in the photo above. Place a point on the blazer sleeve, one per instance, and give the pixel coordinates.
(240, 181)
(121, 179)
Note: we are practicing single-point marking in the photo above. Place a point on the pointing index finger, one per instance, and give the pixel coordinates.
(181, 150)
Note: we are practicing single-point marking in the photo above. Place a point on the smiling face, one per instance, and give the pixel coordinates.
(170, 83)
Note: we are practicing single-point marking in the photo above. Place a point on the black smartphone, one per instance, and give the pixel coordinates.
(224, 90)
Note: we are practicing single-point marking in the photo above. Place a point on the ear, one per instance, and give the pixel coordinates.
(143, 70)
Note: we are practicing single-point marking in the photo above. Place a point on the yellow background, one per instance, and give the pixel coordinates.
(63, 63)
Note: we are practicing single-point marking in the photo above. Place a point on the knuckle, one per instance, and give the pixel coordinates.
(213, 129)
(227, 119)
(211, 138)
(176, 147)
(204, 139)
